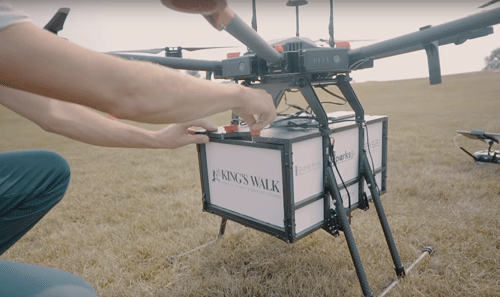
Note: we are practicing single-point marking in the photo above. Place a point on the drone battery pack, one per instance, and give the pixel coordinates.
(274, 182)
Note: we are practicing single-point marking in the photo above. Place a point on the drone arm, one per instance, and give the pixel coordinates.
(241, 31)
(455, 31)
(457, 40)
(234, 25)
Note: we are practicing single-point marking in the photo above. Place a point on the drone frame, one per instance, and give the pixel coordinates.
(301, 70)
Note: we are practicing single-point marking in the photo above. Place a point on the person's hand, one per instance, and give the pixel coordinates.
(178, 135)
(257, 103)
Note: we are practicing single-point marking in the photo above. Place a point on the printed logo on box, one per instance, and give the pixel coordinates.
(299, 170)
(346, 156)
(247, 181)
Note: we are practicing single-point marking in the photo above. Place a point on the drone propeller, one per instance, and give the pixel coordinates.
(342, 43)
(218, 13)
(56, 23)
(142, 51)
(489, 3)
(167, 49)
(349, 40)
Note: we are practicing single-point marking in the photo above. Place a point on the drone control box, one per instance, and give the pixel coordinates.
(274, 182)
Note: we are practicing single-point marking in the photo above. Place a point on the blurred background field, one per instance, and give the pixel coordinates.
(128, 210)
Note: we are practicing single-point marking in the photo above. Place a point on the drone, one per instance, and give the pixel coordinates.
(298, 64)
(483, 156)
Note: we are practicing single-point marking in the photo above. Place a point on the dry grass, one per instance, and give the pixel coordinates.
(128, 211)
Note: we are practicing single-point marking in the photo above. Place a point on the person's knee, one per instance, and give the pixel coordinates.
(56, 162)
(27, 280)
(58, 170)
(68, 291)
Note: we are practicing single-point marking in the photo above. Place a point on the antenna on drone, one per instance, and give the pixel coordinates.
(254, 16)
(330, 28)
(296, 3)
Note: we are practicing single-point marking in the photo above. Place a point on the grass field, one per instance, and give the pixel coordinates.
(128, 210)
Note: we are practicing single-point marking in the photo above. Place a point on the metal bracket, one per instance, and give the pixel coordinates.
(363, 204)
(332, 225)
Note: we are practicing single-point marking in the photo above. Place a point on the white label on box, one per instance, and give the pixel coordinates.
(346, 154)
(374, 134)
(246, 180)
(307, 168)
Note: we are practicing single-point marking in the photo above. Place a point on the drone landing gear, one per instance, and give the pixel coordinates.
(365, 172)
(344, 225)
(338, 218)
(222, 230)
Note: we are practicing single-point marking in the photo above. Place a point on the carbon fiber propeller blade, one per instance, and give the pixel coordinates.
(159, 50)
(56, 23)
(488, 4)
(349, 40)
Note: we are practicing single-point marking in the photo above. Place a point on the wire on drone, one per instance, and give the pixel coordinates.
(370, 154)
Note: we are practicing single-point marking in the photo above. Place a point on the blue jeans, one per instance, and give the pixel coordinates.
(31, 183)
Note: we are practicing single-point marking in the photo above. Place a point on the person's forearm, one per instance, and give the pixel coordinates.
(76, 122)
(172, 95)
(82, 124)
(43, 63)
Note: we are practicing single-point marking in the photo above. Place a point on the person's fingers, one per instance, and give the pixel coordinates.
(258, 126)
(268, 113)
(263, 121)
(249, 120)
(202, 124)
(257, 103)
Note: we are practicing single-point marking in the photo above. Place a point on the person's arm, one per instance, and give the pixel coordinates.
(80, 123)
(38, 61)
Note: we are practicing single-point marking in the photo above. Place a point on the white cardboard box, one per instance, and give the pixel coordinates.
(274, 182)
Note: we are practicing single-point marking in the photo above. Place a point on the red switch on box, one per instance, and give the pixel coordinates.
(231, 128)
